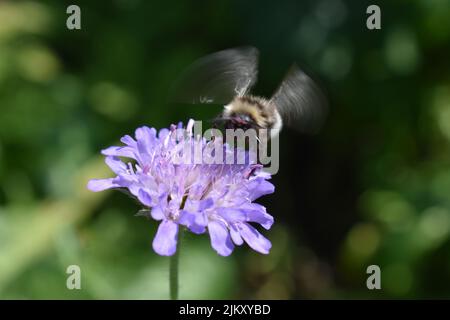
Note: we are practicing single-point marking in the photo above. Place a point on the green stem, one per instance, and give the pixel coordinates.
(174, 261)
(173, 271)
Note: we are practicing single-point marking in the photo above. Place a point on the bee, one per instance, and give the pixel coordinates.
(226, 77)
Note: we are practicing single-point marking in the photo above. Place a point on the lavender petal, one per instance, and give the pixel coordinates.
(220, 238)
(97, 185)
(165, 241)
(254, 239)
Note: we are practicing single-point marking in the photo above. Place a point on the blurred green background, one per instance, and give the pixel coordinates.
(372, 188)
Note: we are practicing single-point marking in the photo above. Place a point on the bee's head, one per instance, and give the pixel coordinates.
(241, 120)
(236, 121)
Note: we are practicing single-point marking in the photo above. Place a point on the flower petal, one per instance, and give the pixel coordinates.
(163, 133)
(257, 213)
(129, 141)
(157, 213)
(235, 235)
(198, 205)
(148, 181)
(232, 214)
(259, 187)
(165, 241)
(127, 181)
(205, 204)
(191, 221)
(254, 239)
(264, 219)
(97, 185)
(220, 238)
(146, 134)
(116, 165)
(146, 138)
(127, 152)
(145, 198)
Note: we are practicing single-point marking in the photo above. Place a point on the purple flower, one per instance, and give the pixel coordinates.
(213, 198)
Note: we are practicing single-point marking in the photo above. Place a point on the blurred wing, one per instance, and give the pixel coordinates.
(218, 77)
(301, 103)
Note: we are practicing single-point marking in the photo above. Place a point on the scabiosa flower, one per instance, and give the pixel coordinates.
(203, 197)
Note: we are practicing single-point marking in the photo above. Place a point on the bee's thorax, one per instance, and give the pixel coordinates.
(261, 111)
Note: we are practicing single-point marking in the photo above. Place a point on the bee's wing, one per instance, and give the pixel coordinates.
(300, 101)
(218, 77)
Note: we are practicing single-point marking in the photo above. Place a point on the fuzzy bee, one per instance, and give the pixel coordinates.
(226, 77)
